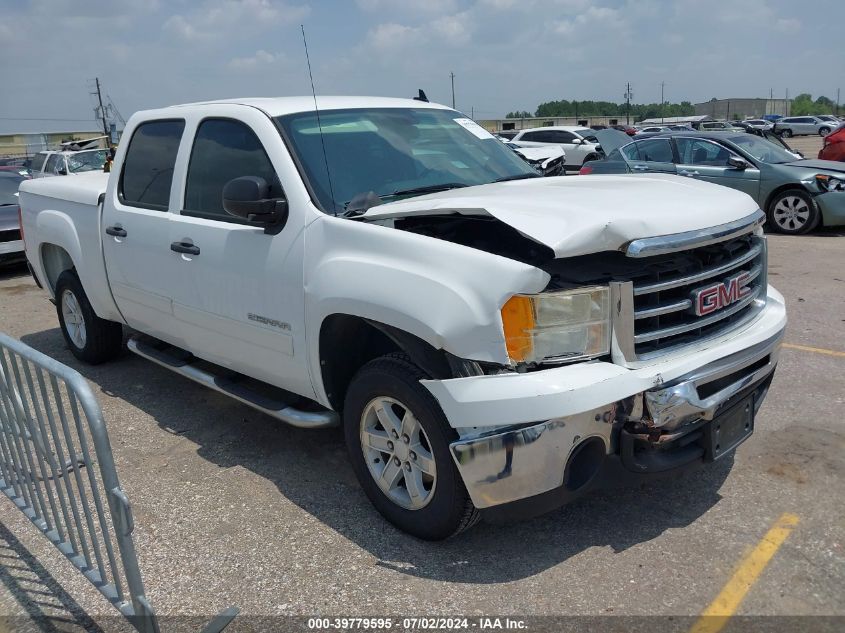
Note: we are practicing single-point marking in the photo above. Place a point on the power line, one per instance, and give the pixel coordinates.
(11, 118)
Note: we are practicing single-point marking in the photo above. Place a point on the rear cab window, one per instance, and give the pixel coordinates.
(147, 172)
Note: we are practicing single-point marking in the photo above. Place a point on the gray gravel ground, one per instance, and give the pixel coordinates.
(233, 508)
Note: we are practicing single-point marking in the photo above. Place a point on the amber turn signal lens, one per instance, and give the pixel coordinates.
(518, 321)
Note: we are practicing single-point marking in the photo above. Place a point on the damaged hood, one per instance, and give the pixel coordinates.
(575, 215)
(821, 165)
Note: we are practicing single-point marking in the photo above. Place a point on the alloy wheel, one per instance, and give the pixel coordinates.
(398, 453)
(74, 319)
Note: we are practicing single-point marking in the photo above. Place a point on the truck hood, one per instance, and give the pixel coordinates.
(575, 215)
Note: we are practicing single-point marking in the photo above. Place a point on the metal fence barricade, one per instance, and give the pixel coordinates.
(57, 466)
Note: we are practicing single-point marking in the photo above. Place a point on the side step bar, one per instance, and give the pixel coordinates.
(183, 362)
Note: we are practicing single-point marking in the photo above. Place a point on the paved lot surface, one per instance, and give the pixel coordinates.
(234, 508)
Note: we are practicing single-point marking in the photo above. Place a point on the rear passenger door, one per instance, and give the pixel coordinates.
(650, 155)
(707, 160)
(240, 294)
(135, 228)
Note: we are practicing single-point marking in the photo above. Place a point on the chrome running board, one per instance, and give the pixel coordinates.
(231, 384)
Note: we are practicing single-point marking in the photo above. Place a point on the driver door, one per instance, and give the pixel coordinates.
(707, 160)
(238, 291)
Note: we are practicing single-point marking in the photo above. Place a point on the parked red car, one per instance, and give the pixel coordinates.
(833, 145)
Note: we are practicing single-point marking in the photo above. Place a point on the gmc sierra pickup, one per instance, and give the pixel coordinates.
(492, 342)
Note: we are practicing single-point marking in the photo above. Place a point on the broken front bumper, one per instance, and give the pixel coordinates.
(561, 425)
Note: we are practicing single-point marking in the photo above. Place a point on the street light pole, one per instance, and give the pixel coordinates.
(452, 75)
(628, 96)
(662, 84)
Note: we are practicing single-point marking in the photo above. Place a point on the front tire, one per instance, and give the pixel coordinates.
(398, 441)
(824, 131)
(793, 212)
(786, 133)
(90, 338)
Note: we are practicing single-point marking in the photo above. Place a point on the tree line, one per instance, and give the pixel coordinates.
(803, 104)
(638, 111)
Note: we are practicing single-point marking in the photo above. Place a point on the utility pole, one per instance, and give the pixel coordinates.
(786, 103)
(662, 84)
(628, 96)
(102, 109)
(837, 102)
(452, 75)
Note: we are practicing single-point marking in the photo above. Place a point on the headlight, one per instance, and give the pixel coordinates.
(829, 183)
(566, 325)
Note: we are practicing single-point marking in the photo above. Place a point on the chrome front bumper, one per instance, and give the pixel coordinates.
(508, 465)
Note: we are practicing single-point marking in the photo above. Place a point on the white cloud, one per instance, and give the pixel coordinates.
(788, 24)
(261, 58)
(213, 19)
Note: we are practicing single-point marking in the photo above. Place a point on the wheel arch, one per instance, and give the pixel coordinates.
(780, 189)
(54, 261)
(348, 342)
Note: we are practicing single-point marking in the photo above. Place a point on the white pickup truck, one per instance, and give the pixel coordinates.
(492, 342)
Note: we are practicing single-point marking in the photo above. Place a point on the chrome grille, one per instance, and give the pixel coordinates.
(662, 305)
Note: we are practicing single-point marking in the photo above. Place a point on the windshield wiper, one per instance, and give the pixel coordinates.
(518, 177)
(445, 186)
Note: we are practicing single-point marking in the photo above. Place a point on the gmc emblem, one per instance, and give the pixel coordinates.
(720, 295)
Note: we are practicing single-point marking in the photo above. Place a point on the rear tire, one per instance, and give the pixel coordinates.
(824, 131)
(398, 441)
(90, 338)
(793, 212)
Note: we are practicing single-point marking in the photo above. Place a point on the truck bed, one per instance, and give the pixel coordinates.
(61, 219)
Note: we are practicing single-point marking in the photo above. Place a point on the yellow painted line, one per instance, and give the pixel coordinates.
(816, 350)
(714, 618)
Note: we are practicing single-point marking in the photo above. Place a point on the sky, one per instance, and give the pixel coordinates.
(506, 54)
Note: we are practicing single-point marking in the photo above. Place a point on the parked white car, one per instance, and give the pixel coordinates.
(549, 160)
(759, 124)
(64, 163)
(578, 143)
(492, 341)
(803, 125)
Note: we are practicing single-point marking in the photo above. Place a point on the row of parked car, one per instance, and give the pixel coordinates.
(797, 195)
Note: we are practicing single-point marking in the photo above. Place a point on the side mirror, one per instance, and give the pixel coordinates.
(738, 163)
(248, 197)
(577, 141)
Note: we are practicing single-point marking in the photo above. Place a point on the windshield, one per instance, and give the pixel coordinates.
(86, 161)
(396, 152)
(761, 149)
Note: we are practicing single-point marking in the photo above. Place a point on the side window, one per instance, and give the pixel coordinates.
(37, 163)
(694, 151)
(530, 136)
(630, 151)
(224, 149)
(148, 166)
(655, 150)
(52, 166)
(562, 136)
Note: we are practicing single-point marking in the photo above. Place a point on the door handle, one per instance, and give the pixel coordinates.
(684, 172)
(116, 231)
(185, 247)
(639, 167)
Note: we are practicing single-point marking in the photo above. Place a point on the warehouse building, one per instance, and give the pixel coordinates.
(724, 109)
